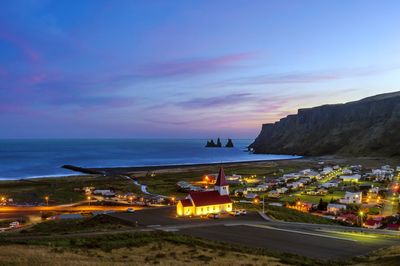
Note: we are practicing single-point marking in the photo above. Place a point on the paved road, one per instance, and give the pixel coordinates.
(391, 207)
(62, 208)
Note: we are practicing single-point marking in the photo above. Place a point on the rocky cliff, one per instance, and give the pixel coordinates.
(370, 126)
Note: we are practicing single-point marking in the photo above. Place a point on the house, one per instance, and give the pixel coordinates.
(329, 185)
(372, 224)
(347, 171)
(273, 194)
(104, 192)
(295, 185)
(282, 190)
(350, 178)
(305, 171)
(199, 203)
(395, 227)
(251, 196)
(313, 174)
(352, 198)
(335, 208)
(326, 170)
(289, 177)
(348, 218)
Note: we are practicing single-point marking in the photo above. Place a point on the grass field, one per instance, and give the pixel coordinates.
(313, 199)
(290, 215)
(61, 190)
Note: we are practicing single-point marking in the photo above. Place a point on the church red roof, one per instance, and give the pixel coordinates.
(208, 198)
(186, 203)
(221, 180)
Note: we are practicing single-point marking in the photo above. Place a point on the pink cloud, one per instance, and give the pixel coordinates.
(194, 66)
(21, 43)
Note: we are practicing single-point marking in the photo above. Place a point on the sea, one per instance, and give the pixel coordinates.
(44, 157)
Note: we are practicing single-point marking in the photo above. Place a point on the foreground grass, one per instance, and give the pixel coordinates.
(164, 253)
(384, 257)
(290, 215)
(141, 248)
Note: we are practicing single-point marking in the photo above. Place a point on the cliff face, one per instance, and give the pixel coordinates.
(367, 127)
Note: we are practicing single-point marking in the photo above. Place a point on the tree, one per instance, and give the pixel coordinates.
(322, 206)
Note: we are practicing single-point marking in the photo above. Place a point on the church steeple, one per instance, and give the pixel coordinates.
(221, 185)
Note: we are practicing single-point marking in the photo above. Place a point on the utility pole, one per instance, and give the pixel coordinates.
(263, 203)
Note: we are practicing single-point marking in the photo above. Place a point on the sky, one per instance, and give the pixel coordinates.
(186, 69)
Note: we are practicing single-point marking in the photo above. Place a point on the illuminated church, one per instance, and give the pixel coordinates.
(207, 202)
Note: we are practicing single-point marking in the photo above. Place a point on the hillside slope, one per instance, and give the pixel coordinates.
(370, 126)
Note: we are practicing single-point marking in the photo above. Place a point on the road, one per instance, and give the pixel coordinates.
(62, 208)
(391, 206)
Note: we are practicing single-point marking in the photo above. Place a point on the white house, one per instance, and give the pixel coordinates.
(273, 194)
(329, 185)
(335, 208)
(292, 176)
(347, 172)
(305, 171)
(326, 171)
(350, 178)
(352, 198)
(282, 190)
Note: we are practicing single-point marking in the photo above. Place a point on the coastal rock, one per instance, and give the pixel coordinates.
(370, 126)
(229, 144)
(212, 144)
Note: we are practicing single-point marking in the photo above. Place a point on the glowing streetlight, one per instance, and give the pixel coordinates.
(89, 198)
(173, 200)
(46, 198)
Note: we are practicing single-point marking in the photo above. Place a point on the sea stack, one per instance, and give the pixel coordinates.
(229, 144)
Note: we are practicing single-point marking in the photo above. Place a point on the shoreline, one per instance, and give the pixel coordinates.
(125, 169)
(87, 171)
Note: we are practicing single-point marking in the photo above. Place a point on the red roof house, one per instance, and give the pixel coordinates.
(207, 202)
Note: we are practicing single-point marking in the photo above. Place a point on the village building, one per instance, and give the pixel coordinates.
(335, 208)
(372, 224)
(199, 203)
(350, 178)
(352, 198)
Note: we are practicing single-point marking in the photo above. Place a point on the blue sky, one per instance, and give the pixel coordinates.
(190, 69)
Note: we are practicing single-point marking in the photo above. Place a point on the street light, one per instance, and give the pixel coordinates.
(47, 200)
(361, 213)
(89, 198)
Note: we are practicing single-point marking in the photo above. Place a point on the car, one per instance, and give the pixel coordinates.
(213, 216)
(235, 213)
(243, 212)
(130, 210)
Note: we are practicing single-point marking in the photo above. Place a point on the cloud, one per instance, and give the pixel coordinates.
(309, 77)
(218, 101)
(194, 66)
(30, 53)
